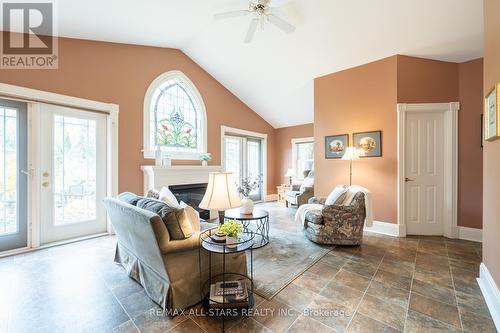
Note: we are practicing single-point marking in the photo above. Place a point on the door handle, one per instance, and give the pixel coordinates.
(45, 184)
(27, 173)
(408, 180)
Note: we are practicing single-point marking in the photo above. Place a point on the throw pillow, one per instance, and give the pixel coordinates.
(175, 219)
(333, 197)
(167, 196)
(308, 182)
(129, 198)
(153, 194)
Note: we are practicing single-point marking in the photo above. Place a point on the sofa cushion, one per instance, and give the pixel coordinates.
(130, 198)
(314, 216)
(336, 195)
(175, 219)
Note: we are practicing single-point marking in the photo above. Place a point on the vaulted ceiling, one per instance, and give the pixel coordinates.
(274, 74)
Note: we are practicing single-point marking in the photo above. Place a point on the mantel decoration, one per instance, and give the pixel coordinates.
(492, 114)
(368, 144)
(248, 184)
(174, 131)
(232, 230)
(335, 145)
(205, 158)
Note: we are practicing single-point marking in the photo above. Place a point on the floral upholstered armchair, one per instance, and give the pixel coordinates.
(336, 224)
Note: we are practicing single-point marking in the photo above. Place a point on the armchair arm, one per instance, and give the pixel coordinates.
(315, 200)
(295, 187)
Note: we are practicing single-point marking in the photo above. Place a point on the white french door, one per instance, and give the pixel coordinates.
(13, 175)
(424, 174)
(72, 173)
(243, 157)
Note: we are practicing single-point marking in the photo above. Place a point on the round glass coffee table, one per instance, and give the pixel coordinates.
(256, 223)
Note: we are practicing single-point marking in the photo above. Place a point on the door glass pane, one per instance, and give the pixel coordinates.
(254, 164)
(232, 157)
(74, 170)
(8, 171)
(305, 158)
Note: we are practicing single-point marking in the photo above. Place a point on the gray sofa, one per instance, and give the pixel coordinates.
(169, 270)
(300, 195)
(336, 224)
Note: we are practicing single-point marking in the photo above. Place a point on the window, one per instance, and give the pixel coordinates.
(303, 156)
(174, 118)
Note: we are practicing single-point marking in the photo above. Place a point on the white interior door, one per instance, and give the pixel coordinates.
(424, 164)
(72, 173)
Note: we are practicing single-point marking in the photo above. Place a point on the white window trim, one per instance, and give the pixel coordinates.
(227, 131)
(202, 131)
(295, 141)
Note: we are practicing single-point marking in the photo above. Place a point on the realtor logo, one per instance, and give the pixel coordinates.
(28, 35)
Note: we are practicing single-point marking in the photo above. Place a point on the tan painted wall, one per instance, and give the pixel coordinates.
(121, 74)
(470, 154)
(355, 100)
(364, 98)
(430, 81)
(283, 148)
(491, 184)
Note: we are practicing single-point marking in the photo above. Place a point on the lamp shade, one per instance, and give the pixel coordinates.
(351, 154)
(221, 192)
(290, 173)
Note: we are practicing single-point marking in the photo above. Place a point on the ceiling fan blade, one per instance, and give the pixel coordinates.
(251, 30)
(280, 23)
(235, 13)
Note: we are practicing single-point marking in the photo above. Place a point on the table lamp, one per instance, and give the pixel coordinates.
(351, 154)
(290, 173)
(220, 194)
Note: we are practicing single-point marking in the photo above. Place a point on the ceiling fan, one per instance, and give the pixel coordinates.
(262, 11)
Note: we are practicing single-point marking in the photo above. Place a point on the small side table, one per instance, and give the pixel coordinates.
(282, 189)
(259, 219)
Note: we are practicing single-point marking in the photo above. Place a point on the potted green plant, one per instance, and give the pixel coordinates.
(248, 184)
(232, 230)
(204, 158)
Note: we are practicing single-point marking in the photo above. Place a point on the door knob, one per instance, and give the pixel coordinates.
(408, 180)
(45, 184)
(45, 174)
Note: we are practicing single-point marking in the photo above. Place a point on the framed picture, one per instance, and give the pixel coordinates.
(492, 114)
(368, 144)
(335, 145)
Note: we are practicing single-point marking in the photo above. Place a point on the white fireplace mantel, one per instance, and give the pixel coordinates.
(155, 177)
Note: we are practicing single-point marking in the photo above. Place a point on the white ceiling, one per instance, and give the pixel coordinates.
(274, 75)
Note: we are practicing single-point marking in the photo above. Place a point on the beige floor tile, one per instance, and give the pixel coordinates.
(385, 312)
(420, 323)
(388, 293)
(393, 280)
(446, 313)
(476, 323)
(308, 325)
(364, 324)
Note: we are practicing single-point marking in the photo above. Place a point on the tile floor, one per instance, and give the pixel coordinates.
(416, 284)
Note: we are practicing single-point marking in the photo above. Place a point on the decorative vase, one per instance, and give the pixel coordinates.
(231, 242)
(204, 163)
(246, 206)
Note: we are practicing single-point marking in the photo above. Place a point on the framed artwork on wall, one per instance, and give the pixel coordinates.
(492, 114)
(368, 144)
(335, 145)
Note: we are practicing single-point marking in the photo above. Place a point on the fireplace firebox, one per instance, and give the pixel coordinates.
(192, 194)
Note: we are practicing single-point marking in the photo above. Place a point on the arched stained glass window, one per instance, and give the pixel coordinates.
(175, 115)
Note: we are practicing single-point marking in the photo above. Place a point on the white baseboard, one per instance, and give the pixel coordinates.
(490, 293)
(470, 234)
(384, 228)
